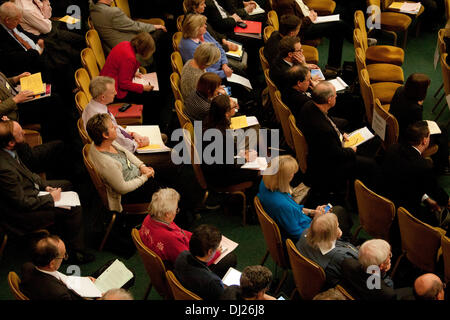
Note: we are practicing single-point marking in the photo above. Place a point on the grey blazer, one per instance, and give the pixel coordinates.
(7, 105)
(114, 26)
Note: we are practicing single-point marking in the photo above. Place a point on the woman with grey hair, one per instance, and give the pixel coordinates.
(161, 234)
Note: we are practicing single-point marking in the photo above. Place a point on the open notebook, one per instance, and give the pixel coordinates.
(154, 135)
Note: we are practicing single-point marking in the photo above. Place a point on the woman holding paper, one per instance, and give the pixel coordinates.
(127, 178)
(122, 65)
(160, 233)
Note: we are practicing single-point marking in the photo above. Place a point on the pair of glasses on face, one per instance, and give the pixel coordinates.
(65, 257)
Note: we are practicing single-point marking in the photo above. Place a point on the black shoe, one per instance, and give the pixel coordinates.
(79, 257)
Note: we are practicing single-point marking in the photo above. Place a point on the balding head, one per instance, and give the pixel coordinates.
(324, 230)
(10, 14)
(324, 93)
(429, 287)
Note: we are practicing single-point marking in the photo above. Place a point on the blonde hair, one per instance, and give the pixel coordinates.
(282, 167)
(323, 230)
(374, 252)
(206, 54)
(163, 201)
(191, 24)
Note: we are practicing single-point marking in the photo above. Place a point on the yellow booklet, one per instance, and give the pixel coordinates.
(353, 140)
(396, 5)
(150, 147)
(239, 122)
(32, 83)
(358, 137)
(69, 20)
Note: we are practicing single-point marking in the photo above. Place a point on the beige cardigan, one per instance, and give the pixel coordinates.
(110, 171)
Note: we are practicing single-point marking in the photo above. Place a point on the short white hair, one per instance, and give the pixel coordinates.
(163, 201)
(98, 85)
(117, 294)
(374, 252)
(9, 10)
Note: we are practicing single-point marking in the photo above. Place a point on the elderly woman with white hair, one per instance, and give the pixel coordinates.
(320, 243)
(161, 234)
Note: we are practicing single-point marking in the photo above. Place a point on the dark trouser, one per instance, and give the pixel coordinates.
(335, 32)
(143, 194)
(230, 260)
(152, 105)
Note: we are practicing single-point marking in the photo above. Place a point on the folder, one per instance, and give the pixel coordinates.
(253, 29)
(135, 111)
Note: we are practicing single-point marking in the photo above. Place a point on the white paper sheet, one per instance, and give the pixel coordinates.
(433, 127)
(411, 7)
(329, 18)
(68, 199)
(365, 133)
(148, 78)
(83, 286)
(240, 80)
(338, 83)
(232, 277)
(228, 246)
(379, 125)
(154, 136)
(258, 10)
(260, 163)
(114, 277)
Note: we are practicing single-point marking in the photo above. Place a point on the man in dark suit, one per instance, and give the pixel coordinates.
(41, 279)
(408, 179)
(23, 209)
(219, 18)
(289, 26)
(330, 164)
(294, 91)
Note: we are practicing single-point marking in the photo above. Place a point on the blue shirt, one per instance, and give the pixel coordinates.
(187, 48)
(286, 213)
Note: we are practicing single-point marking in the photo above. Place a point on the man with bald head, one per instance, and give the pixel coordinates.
(330, 164)
(429, 287)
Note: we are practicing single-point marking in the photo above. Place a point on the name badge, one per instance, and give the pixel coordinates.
(36, 186)
(7, 86)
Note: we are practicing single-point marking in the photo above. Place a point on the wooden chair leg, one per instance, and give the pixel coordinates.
(396, 264)
(5, 239)
(108, 230)
(283, 278)
(147, 292)
(265, 257)
(405, 38)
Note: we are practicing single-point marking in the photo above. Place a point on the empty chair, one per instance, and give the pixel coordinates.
(376, 213)
(178, 291)
(420, 242)
(309, 277)
(274, 243)
(154, 266)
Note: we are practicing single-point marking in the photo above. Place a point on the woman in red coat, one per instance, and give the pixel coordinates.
(122, 65)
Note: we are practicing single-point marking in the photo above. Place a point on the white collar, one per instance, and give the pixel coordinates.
(417, 150)
(58, 275)
(326, 250)
(289, 63)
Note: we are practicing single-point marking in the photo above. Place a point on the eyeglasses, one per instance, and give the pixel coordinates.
(300, 50)
(65, 257)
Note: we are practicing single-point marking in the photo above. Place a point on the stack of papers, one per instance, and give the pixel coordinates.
(33, 83)
(260, 163)
(148, 78)
(154, 136)
(433, 127)
(237, 54)
(240, 80)
(406, 7)
(339, 84)
(358, 137)
(68, 199)
(232, 277)
(258, 10)
(114, 277)
(243, 122)
(324, 19)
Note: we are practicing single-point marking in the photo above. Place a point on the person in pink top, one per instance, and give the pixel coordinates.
(122, 65)
(160, 233)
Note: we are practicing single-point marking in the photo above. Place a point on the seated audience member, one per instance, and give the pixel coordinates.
(220, 19)
(243, 9)
(47, 111)
(429, 287)
(122, 65)
(222, 169)
(335, 31)
(36, 21)
(290, 53)
(408, 178)
(294, 93)
(127, 178)
(114, 26)
(330, 164)
(41, 279)
(407, 108)
(320, 243)
(275, 194)
(23, 210)
(19, 53)
(197, 104)
(117, 294)
(198, 6)
(103, 92)
(191, 266)
(160, 233)
(195, 33)
(289, 26)
(254, 283)
(205, 55)
(374, 262)
(330, 294)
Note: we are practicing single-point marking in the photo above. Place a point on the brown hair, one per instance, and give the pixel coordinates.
(6, 132)
(143, 44)
(208, 83)
(96, 127)
(323, 229)
(416, 86)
